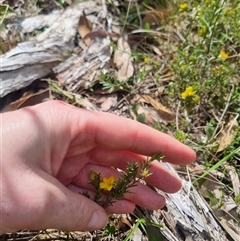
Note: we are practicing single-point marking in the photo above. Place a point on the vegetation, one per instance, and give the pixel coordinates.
(115, 189)
(187, 56)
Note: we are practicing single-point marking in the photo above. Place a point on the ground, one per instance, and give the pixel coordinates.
(177, 69)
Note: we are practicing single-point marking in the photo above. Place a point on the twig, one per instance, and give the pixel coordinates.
(232, 123)
(104, 7)
(127, 14)
(139, 15)
(223, 114)
(177, 113)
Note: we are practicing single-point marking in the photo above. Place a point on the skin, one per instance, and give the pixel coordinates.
(48, 151)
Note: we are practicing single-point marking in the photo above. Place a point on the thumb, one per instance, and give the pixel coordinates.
(72, 211)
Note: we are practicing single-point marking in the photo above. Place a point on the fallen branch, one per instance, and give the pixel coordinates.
(36, 58)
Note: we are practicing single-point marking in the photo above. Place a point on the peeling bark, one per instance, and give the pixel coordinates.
(36, 58)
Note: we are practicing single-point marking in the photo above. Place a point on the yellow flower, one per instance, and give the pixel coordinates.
(222, 68)
(223, 54)
(214, 69)
(146, 59)
(188, 92)
(202, 31)
(213, 3)
(228, 13)
(184, 66)
(107, 183)
(183, 7)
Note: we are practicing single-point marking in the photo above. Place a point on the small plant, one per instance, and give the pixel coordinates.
(143, 223)
(109, 189)
(110, 229)
(205, 65)
(238, 198)
(183, 7)
(180, 135)
(4, 11)
(110, 84)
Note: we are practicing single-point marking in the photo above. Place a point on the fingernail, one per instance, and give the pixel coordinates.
(97, 221)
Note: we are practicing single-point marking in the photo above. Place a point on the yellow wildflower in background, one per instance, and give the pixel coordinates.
(210, 2)
(218, 69)
(214, 69)
(184, 66)
(188, 92)
(222, 68)
(223, 54)
(107, 183)
(228, 13)
(183, 7)
(202, 31)
(146, 59)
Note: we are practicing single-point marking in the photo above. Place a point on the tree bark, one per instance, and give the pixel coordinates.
(35, 59)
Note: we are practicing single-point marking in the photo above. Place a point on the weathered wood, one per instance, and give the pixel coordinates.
(35, 59)
(80, 72)
(187, 217)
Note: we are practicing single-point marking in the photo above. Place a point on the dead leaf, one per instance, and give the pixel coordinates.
(123, 60)
(163, 112)
(229, 230)
(156, 50)
(235, 179)
(195, 168)
(155, 16)
(108, 101)
(229, 204)
(227, 135)
(69, 2)
(84, 28)
(124, 221)
(28, 99)
(101, 34)
(150, 115)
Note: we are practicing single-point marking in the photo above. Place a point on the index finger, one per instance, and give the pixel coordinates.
(112, 132)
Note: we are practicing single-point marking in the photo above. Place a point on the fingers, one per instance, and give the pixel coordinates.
(66, 210)
(117, 133)
(109, 157)
(41, 202)
(88, 129)
(118, 207)
(80, 213)
(161, 177)
(140, 195)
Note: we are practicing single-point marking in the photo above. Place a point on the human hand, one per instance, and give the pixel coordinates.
(48, 152)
